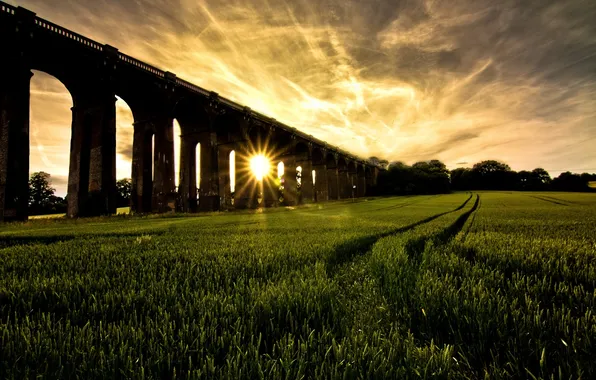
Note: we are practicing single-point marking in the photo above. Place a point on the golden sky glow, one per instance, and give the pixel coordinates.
(460, 81)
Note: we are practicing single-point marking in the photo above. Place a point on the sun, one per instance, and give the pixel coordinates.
(259, 165)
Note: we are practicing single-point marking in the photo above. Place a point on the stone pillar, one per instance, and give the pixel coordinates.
(223, 164)
(371, 176)
(289, 182)
(332, 181)
(164, 196)
(187, 188)
(92, 171)
(353, 184)
(270, 187)
(102, 169)
(343, 184)
(375, 175)
(307, 191)
(142, 168)
(361, 186)
(14, 144)
(246, 187)
(209, 191)
(14, 114)
(78, 173)
(321, 185)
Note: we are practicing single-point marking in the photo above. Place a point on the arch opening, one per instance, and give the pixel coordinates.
(124, 138)
(330, 161)
(299, 176)
(177, 141)
(317, 157)
(152, 157)
(232, 172)
(198, 168)
(279, 181)
(50, 135)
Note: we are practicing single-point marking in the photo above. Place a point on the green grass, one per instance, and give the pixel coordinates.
(496, 285)
(119, 210)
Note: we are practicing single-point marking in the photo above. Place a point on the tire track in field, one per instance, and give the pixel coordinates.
(358, 280)
(415, 248)
(401, 205)
(401, 291)
(346, 251)
(479, 200)
(230, 224)
(559, 199)
(547, 200)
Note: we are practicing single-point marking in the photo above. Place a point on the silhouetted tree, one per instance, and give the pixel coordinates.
(374, 160)
(589, 180)
(431, 177)
(124, 189)
(568, 181)
(493, 175)
(425, 177)
(461, 179)
(524, 178)
(397, 179)
(539, 180)
(378, 162)
(41, 196)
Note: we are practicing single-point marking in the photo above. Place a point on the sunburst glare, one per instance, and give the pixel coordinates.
(259, 165)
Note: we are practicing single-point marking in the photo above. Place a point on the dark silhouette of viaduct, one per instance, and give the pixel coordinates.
(94, 74)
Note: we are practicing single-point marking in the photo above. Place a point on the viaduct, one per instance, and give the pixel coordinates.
(94, 74)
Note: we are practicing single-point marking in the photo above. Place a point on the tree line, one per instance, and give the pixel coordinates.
(433, 177)
(424, 177)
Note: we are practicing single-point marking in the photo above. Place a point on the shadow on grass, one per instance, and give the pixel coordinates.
(12, 241)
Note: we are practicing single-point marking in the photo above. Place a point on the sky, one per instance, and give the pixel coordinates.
(408, 80)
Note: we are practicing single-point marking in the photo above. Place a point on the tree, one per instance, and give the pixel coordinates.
(539, 179)
(493, 175)
(524, 180)
(588, 181)
(438, 167)
(374, 160)
(461, 179)
(431, 177)
(40, 192)
(491, 166)
(41, 195)
(573, 182)
(124, 189)
(396, 163)
(397, 179)
(425, 177)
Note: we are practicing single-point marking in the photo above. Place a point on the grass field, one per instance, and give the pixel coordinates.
(496, 285)
(119, 210)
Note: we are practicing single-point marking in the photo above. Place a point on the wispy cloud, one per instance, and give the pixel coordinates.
(406, 80)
